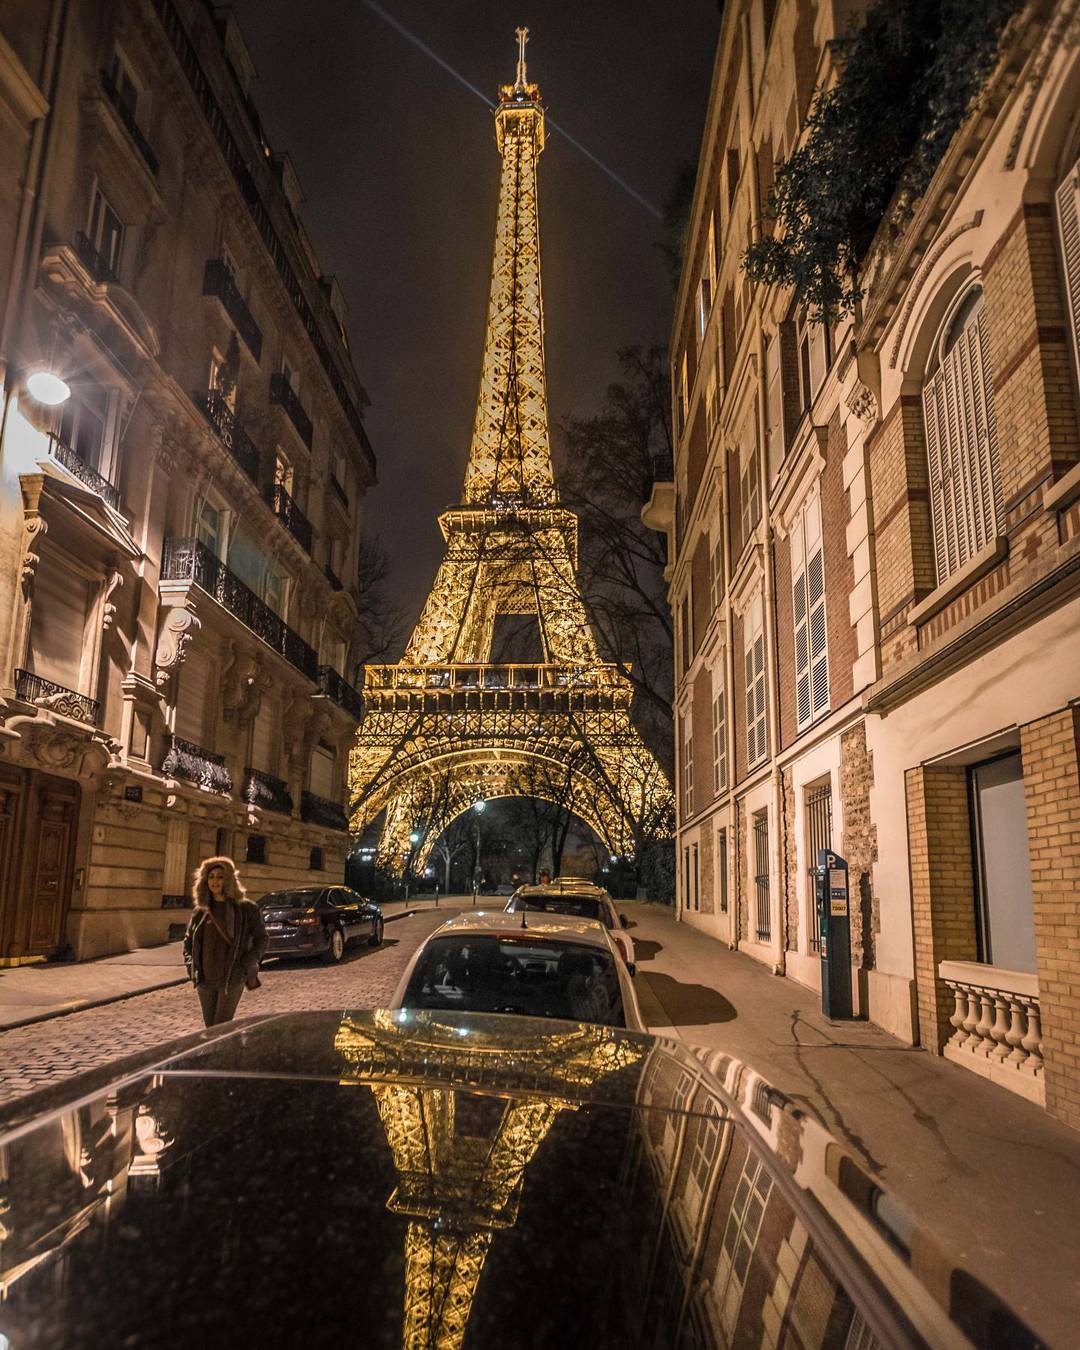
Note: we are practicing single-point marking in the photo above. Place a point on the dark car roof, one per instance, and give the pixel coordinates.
(317, 1178)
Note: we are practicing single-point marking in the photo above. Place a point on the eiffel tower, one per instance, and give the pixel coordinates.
(447, 725)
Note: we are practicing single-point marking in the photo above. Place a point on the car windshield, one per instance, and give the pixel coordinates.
(518, 975)
(289, 899)
(580, 906)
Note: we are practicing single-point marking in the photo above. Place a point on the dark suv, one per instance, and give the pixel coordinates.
(318, 921)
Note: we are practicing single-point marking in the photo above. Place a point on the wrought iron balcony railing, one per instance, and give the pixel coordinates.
(190, 560)
(45, 694)
(266, 791)
(230, 431)
(290, 515)
(74, 463)
(332, 577)
(282, 393)
(218, 281)
(127, 116)
(184, 759)
(322, 811)
(94, 261)
(339, 691)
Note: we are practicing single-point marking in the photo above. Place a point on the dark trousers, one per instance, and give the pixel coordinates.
(219, 1005)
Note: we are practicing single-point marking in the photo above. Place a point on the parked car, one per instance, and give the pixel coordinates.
(580, 898)
(493, 1181)
(319, 921)
(499, 963)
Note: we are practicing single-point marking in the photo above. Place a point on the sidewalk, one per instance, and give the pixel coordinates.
(993, 1175)
(34, 993)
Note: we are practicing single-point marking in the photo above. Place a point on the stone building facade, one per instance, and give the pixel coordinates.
(874, 533)
(179, 616)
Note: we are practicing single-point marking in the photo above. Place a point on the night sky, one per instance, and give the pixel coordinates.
(399, 165)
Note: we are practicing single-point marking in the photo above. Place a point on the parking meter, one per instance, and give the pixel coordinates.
(834, 931)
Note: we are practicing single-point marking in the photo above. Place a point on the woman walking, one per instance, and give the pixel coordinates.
(224, 942)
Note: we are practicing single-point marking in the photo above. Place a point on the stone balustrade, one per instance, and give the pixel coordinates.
(996, 1025)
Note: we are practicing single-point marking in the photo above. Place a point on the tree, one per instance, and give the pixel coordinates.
(383, 619)
(457, 838)
(608, 464)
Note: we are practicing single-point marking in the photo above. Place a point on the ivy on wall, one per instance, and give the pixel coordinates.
(908, 76)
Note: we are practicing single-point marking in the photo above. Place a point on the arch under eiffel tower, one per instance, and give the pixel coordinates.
(448, 725)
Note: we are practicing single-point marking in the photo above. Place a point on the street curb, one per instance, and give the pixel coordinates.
(87, 1004)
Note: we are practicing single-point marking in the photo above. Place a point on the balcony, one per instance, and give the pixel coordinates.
(229, 430)
(127, 115)
(289, 514)
(339, 691)
(997, 1025)
(44, 694)
(282, 393)
(332, 577)
(322, 811)
(266, 791)
(191, 762)
(218, 281)
(190, 560)
(89, 477)
(95, 263)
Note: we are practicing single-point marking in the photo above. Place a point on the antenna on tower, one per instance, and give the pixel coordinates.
(522, 37)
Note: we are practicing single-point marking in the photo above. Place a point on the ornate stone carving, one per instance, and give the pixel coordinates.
(243, 683)
(108, 612)
(180, 625)
(34, 524)
(862, 403)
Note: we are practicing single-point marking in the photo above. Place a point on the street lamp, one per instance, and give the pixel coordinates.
(478, 807)
(414, 839)
(47, 388)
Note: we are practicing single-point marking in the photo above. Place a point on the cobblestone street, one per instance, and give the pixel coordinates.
(35, 1056)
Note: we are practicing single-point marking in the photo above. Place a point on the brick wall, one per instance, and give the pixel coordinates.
(791, 862)
(1051, 756)
(859, 843)
(903, 540)
(706, 887)
(839, 568)
(942, 889)
(742, 871)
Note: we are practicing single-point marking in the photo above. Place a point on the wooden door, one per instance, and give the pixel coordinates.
(51, 845)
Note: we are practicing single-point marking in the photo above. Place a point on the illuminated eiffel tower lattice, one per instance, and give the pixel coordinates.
(450, 723)
(460, 1182)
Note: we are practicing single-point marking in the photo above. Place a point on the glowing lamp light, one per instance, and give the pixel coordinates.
(48, 388)
(479, 806)
(414, 838)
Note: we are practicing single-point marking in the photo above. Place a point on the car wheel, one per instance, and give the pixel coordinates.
(336, 949)
(375, 940)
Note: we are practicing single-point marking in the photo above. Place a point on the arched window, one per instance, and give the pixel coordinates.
(961, 441)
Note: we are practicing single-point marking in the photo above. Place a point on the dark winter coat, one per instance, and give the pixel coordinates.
(249, 943)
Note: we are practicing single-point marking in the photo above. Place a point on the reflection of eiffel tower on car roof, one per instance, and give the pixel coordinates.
(448, 713)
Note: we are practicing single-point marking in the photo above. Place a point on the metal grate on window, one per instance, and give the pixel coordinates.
(761, 876)
(818, 836)
(721, 867)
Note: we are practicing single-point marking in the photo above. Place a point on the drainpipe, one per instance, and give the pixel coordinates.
(29, 223)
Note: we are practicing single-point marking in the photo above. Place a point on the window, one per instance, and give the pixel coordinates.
(684, 393)
(223, 842)
(686, 633)
(712, 403)
(123, 82)
(106, 232)
(58, 622)
(704, 1149)
(229, 259)
(210, 527)
(763, 915)
(749, 496)
(263, 755)
(815, 358)
(740, 1239)
(721, 869)
(256, 848)
(774, 406)
(223, 377)
(315, 860)
(961, 441)
(818, 836)
(1068, 214)
(321, 774)
(1003, 907)
(83, 421)
(719, 732)
(732, 173)
(688, 763)
(808, 603)
(704, 303)
(283, 471)
(754, 656)
(716, 570)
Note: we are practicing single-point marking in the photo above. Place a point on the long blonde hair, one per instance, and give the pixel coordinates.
(200, 888)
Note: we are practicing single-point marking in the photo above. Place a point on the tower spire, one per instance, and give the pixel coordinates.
(522, 37)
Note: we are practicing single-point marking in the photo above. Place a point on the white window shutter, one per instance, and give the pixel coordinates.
(1068, 212)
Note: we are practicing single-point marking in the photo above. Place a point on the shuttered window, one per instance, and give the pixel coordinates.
(961, 440)
(749, 498)
(808, 604)
(58, 623)
(774, 406)
(688, 764)
(719, 732)
(1068, 212)
(754, 657)
(193, 698)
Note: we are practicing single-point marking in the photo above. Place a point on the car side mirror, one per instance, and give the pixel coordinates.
(624, 921)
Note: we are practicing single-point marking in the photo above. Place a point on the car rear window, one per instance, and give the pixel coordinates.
(289, 899)
(580, 906)
(518, 975)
